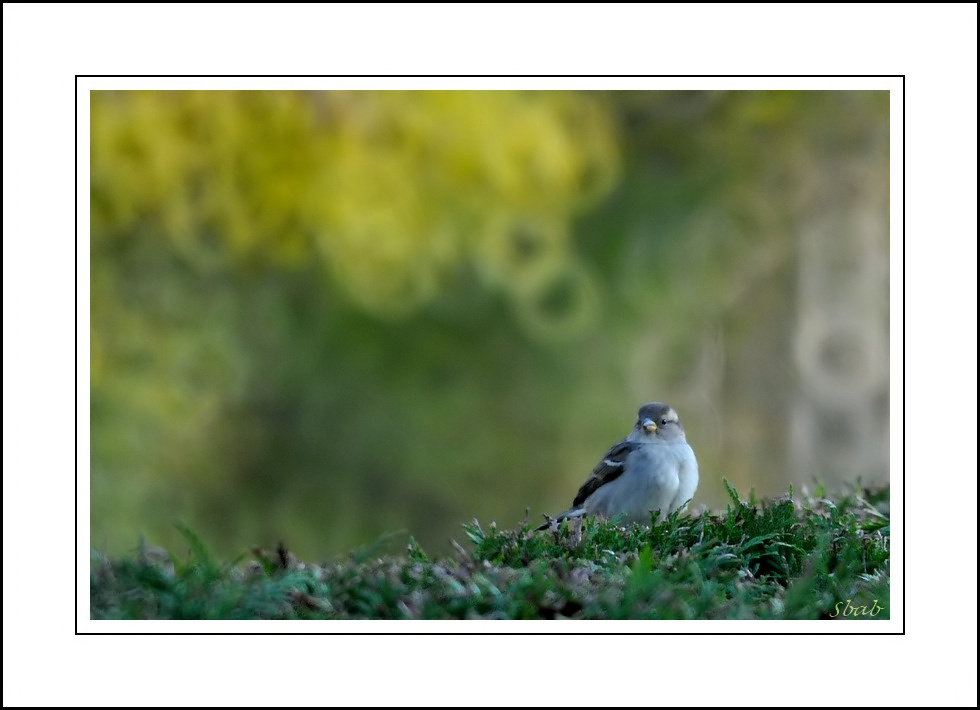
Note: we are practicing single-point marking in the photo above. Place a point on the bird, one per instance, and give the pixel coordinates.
(652, 470)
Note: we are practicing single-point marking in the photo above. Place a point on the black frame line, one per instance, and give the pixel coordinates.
(483, 76)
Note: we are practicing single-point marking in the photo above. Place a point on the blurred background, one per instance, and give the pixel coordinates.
(322, 317)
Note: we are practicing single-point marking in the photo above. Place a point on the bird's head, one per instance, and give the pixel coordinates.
(657, 422)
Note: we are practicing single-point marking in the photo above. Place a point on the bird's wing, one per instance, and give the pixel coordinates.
(609, 468)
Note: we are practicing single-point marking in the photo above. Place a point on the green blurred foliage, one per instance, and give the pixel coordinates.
(321, 316)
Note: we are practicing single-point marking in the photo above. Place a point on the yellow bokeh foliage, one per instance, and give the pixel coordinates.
(393, 191)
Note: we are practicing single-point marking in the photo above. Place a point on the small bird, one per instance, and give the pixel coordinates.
(652, 469)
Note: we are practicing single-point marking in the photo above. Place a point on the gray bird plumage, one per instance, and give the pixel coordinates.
(652, 469)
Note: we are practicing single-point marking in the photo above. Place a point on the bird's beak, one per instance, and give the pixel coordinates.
(649, 426)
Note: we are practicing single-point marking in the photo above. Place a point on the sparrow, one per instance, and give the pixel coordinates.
(651, 470)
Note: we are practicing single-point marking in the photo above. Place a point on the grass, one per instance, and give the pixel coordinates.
(789, 558)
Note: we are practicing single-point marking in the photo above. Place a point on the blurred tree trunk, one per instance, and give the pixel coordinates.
(840, 418)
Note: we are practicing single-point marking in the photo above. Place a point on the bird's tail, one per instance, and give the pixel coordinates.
(551, 523)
